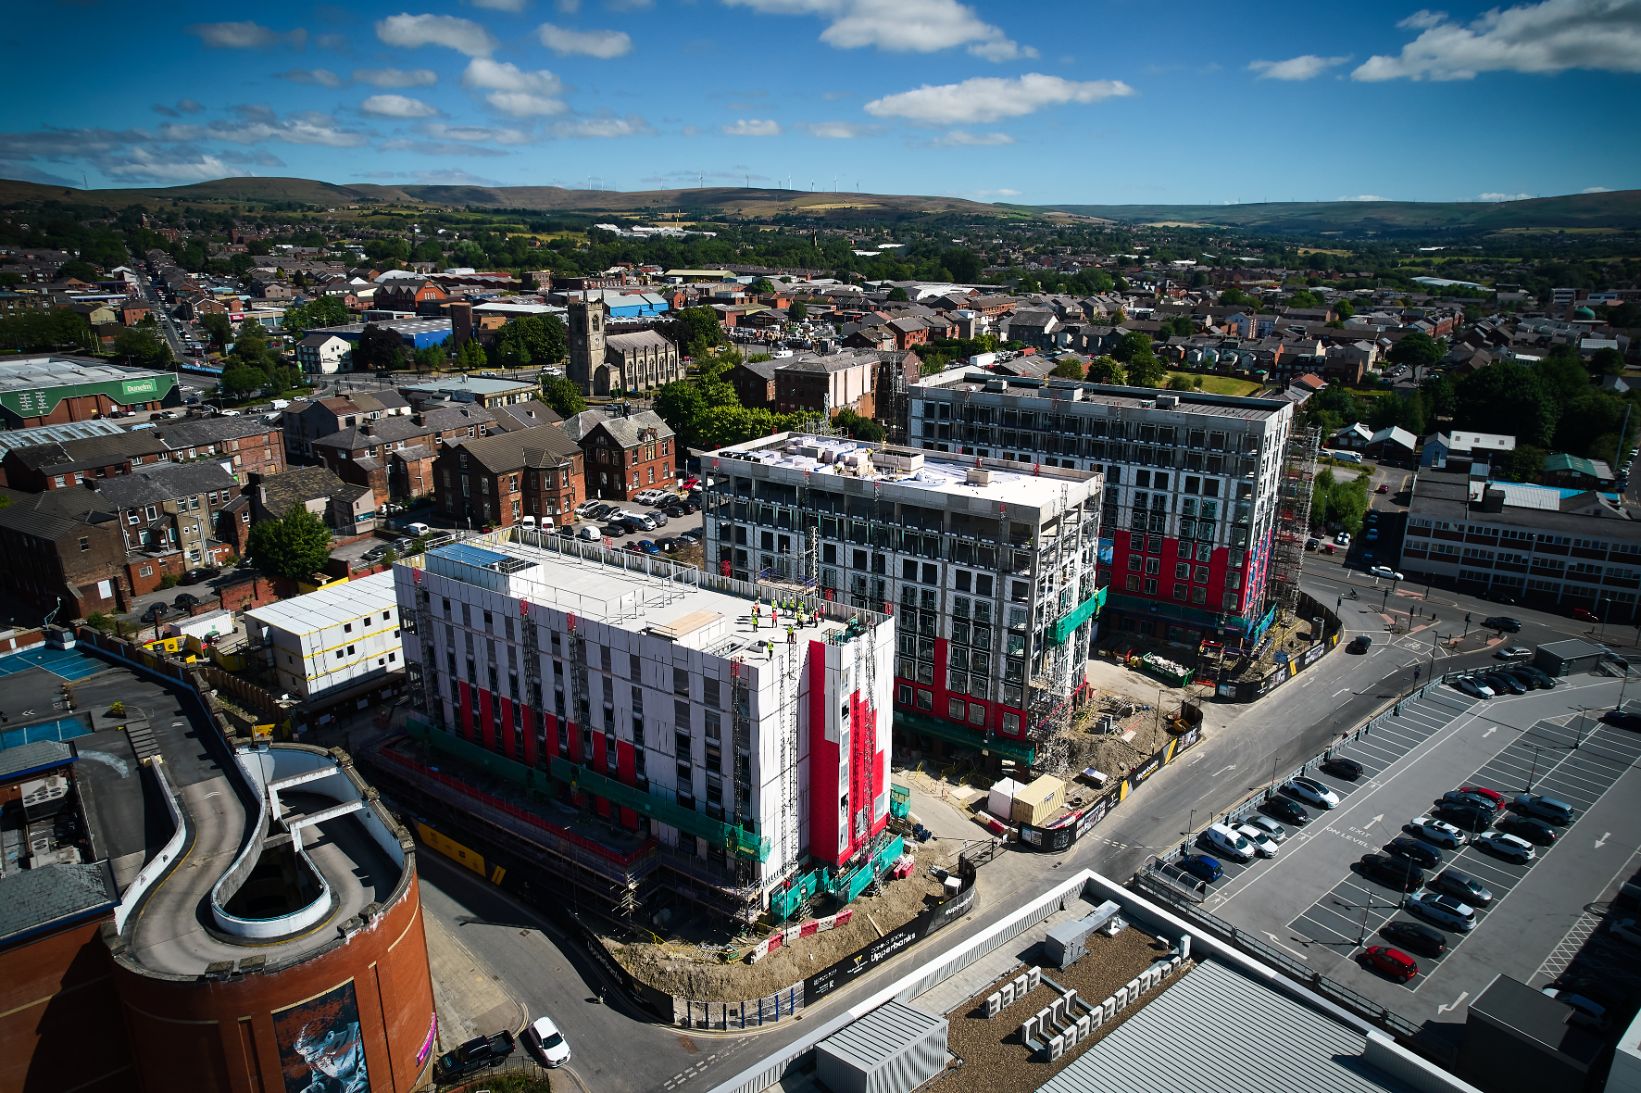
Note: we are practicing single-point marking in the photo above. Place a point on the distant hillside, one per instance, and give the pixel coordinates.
(1618, 210)
(753, 203)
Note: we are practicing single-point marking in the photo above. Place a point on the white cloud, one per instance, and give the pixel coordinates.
(835, 130)
(629, 5)
(475, 134)
(603, 44)
(1596, 190)
(753, 127)
(245, 35)
(1491, 196)
(145, 166)
(397, 106)
(396, 77)
(962, 138)
(324, 77)
(1423, 19)
(601, 128)
(1305, 67)
(522, 104)
(256, 124)
(1001, 191)
(1362, 197)
(331, 41)
(489, 75)
(1551, 36)
(988, 98)
(900, 26)
(412, 31)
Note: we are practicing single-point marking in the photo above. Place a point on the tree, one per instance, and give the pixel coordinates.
(76, 270)
(696, 329)
(1130, 344)
(243, 380)
(320, 312)
(532, 340)
(429, 358)
(470, 355)
(1182, 383)
(898, 295)
(963, 265)
(1235, 297)
(379, 349)
(761, 287)
(1416, 350)
(142, 346)
(1107, 370)
(293, 547)
(861, 428)
(563, 396)
(1343, 308)
(1145, 370)
(1070, 367)
(220, 329)
(1606, 361)
(1524, 464)
(1507, 397)
(798, 312)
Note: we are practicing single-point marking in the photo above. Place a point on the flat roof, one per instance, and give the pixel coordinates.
(971, 380)
(1455, 497)
(30, 373)
(56, 434)
(477, 384)
(628, 592)
(398, 326)
(330, 605)
(937, 472)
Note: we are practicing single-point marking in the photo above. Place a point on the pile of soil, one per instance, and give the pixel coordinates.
(701, 973)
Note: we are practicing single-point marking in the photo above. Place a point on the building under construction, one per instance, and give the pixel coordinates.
(643, 730)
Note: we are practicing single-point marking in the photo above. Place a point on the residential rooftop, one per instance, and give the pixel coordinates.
(1101, 394)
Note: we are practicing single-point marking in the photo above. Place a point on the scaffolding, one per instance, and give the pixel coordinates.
(1293, 518)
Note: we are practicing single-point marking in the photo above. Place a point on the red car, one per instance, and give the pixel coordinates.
(1391, 963)
(1384, 487)
(690, 483)
(1585, 613)
(1482, 791)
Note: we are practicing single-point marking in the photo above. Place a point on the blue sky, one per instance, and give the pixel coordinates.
(1095, 101)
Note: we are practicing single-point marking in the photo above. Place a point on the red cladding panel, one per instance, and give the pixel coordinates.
(824, 790)
(487, 727)
(530, 748)
(508, 746)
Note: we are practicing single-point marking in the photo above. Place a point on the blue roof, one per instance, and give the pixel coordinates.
(470, 554)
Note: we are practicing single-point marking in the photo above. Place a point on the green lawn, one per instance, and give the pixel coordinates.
(1221, 385)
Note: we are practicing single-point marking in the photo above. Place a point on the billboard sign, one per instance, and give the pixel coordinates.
(321, 1049)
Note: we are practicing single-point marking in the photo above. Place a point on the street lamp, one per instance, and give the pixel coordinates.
(1578, 730)
(1533, 774)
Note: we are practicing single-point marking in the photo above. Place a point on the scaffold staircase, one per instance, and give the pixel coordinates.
(1293, 517)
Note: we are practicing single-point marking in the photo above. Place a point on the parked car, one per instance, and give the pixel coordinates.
(1462, 886)
(1343, 538)
(1312, 792)
(693, 535)
(1385, 571)
(1473, 796)
(1415, 937)
(479, 1053)
(1312, 543)
(1534, 831)
(1512, 848)
(1398, 874)
(600, 510)
(1285, 809)
(1391, 963)
(1539, 678)
(1480, 683)
(1513, 652)
(1502, 682)
(1552, 809)
(648, 546)
(1341, 766)
(1622, 719)
(1263, 844)
(1202, 867)
(590, 533)
(1466, 685)
(1268, 827)
(156, 611)
(1469, 817)
(1435, 832)
(1414, 850)
(1502, 623)
(614, 531)
(1584, 614)
(657, 518)
(1586, 1011)
(201, 575)
(650, 497)
(1227, 843)
(543, 1040)
(1443, 910)
(186, 601)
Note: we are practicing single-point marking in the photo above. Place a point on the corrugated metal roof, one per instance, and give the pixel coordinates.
(34, 756)
(1313, 1052)
(880, 1035)
(53, 434)
(52, 893)
(328, 606)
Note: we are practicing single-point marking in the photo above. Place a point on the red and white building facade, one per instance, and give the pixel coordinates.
(1192, 486)
(987, 566)
(749, 726)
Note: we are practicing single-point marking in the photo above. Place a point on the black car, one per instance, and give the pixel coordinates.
(614, 531)
(476, 1054)
(1419, 853)
(1415, 937)
(1462, 886)
(186, 601)
(1360, 644)
(1622, 719)
(1341, 767)
(1503, 681)
(1502, 623)
(1529, 676)
(1284, 809)
(156, 611)
(1465, 817)
(1397, 873)
(201, 575)
(1534, 831)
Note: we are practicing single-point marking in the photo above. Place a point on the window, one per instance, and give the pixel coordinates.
(85, 543)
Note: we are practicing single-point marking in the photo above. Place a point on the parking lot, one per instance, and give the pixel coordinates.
(1312, 902)
(674, 527)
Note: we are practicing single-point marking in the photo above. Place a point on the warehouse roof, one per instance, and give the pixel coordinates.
(28, 373)
(49, 434)
(880, 1035)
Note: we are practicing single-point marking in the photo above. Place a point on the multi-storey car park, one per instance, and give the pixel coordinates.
(987, 565)
(1206, 501)
(737, 733)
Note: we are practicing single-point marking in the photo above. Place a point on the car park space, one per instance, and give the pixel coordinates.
(1316, 900)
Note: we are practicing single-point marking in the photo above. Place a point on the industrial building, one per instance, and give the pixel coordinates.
(50, 390)
(415, 333)
(988, 565)
(1561, 548)
(178, 908)
(740, 728)
(487, 391)
(341, 637)
(1206, 502)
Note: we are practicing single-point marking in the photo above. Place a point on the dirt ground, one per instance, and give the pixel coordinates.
(996, 1060)
(700, 972)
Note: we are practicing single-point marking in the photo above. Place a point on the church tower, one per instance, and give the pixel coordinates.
(586, 341)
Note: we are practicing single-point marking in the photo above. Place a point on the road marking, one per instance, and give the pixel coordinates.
(1491, 729)
(1605, 835)
(1449, 1007)
(1377, 819)
(1223, 770)
(1339, 692)
(1290, 949)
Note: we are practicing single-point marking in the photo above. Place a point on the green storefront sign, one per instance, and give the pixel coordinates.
(131, 389)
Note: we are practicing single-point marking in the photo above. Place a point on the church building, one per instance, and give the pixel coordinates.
(602, 363)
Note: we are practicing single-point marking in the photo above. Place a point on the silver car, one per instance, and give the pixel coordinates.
(1443, 910)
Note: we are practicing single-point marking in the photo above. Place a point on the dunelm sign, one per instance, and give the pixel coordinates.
(139, 387)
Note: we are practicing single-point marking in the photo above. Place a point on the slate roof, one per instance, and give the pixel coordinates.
(638, 339)
(163, 482)
(525, 415)
(457, 415)
(542, 447)
(91, 451)
(384, 430)
(40, 755)
(279, 493)
(35, 898)
(193, 432)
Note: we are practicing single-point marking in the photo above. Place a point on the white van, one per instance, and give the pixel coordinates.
(417, 529)
(1227, 842)
(527, 522)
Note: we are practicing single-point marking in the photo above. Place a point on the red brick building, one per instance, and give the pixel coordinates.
(499, 480)
(625, 454)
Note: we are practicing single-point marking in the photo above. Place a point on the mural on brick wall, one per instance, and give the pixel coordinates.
(320, 1047)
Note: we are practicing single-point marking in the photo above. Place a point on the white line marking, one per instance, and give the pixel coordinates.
(1605, 835)
(1449, 1007)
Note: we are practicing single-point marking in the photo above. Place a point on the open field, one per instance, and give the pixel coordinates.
(1221, 385)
